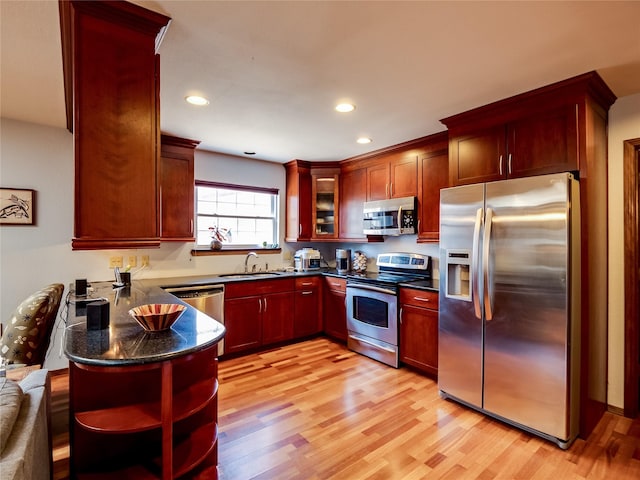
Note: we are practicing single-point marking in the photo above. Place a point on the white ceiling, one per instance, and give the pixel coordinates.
(274, 70)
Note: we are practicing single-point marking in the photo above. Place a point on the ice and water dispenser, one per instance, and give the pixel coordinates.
(458, 274)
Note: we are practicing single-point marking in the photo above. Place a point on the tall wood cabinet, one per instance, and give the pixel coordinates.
(298, 198)
(353, 194)
(558, 128)
(109, 54)
(433, 175)
(177, 184)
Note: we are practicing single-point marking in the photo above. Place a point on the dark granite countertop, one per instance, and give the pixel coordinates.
(125, 342)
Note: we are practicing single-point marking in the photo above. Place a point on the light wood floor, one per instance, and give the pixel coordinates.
(316, 410)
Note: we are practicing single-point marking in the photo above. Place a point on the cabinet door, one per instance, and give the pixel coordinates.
(243, 321)
(434, 175)
(478, 156)
(298, 197)
(324, 208)
(177, 189)
(335, 310)
(277, 317)
(403, 178)
(306, 312)
(378, 182)
(419, 338)
(353, 189)
(545, 143)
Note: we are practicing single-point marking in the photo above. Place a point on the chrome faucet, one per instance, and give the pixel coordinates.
(246, 261)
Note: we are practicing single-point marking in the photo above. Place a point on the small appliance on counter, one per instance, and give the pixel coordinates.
(343, 259)
(307, 259)
(359, 262)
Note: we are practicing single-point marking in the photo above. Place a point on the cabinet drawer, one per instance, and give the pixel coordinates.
(306, 283)
(419, 298)
(337, 284)
(257, 287)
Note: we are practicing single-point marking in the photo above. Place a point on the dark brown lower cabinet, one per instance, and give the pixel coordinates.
(307, 307)
(335, 309)
(419, 329)
(152, 420)
(257, 313)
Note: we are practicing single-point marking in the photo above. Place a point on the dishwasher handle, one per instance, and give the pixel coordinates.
(195, 292)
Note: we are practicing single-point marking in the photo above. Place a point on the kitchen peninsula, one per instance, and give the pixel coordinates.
(142, 404)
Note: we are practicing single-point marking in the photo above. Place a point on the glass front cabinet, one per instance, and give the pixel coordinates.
(324, 209)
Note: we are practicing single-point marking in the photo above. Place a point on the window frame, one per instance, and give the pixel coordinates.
(243, 188)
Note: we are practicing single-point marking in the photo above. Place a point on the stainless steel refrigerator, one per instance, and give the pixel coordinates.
(509, 302)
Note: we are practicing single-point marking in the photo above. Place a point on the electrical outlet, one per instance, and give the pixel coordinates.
(144, 260)
(133, 261)
(115, 262)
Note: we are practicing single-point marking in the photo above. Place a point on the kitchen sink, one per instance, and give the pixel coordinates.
(250, 274)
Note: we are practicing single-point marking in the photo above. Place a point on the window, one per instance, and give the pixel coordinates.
(243, 217)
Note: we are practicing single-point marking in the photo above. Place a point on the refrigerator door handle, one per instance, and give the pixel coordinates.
(488, 308)
(475, 258)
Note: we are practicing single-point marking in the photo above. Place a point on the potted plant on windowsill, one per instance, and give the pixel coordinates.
(218, 236)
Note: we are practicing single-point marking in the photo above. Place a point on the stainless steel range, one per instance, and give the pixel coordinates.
(372, 304)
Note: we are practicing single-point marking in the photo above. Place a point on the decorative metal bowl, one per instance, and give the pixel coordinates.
(155, 317)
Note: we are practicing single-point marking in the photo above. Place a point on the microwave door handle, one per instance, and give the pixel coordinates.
(400, 218)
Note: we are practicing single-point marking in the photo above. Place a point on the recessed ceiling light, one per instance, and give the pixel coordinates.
(345, 107)
(197, 100)
(363, 140)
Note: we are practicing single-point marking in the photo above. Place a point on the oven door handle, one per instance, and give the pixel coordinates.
(360, 339)
(372, 288)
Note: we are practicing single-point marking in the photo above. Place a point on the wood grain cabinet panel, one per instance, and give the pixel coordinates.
(335, 309)
(353, 194)
(177, 184)
(307, 307)
(156, 420)
(419, 329)
(111, 64)
(243, 321)
(257, 313)
(433, 175)
(298, 201)
(395, 177)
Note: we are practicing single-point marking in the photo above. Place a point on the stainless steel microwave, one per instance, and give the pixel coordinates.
(395, 216)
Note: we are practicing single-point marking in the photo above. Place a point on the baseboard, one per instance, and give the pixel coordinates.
(615, 410)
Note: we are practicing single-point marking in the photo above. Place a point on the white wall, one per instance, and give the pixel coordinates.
(624, 124)
(41, 158)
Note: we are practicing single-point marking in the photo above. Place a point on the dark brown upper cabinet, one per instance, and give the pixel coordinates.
(112, 82)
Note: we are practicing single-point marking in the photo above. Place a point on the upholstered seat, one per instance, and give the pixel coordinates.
(26, 336)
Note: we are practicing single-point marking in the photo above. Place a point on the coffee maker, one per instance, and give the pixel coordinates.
(343, 257)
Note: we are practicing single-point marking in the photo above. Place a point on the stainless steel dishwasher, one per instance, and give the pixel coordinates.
(208, 299)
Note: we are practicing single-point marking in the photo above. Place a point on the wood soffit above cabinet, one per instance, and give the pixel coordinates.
(572, 90)
(123, 13)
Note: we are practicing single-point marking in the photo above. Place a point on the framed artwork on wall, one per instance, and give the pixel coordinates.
(17, 206)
